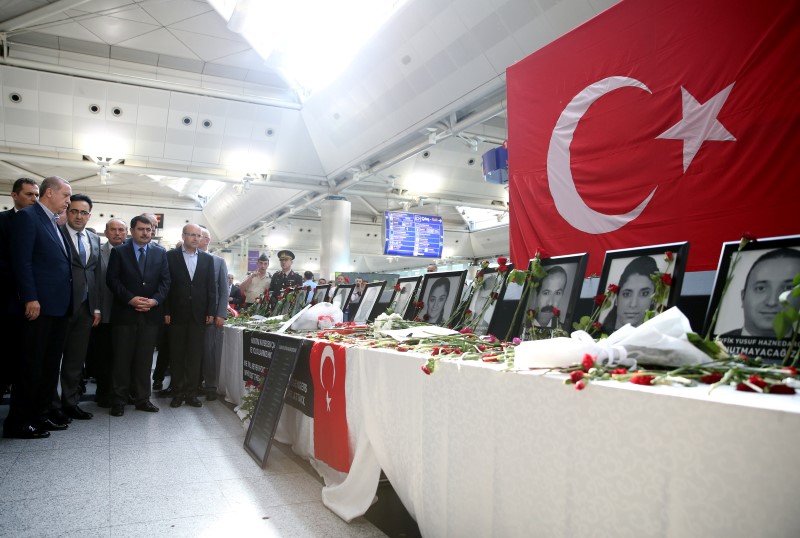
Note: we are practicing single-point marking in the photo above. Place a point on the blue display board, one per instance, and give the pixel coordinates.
(409, 234)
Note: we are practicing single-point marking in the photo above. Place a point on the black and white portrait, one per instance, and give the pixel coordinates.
(401, 298)
(341, 297)
(320, 293)
(372, 293)
(440, 292)
(631, 270)
(551, 300)
(481, 303)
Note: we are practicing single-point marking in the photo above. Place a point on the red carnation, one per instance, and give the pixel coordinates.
(502, 269)
(758, 381)
(556, 311)
(600, 299)
(401, 348)
(466, 330)
(426, 317)
(576, 376)
(781, 389)
(597, 325)
(481, 347)
(419, 304)
(643, 379)
(666, 278)
(580, 385)
(791, 370)
(489, 358)
(435, 351)
(668, 255)
(397, 287)
(587, 362)
(619, 371)
(502, 260)
(711, 378)
(467, 312)
(426, 369)
(613, 288)
(494, 295)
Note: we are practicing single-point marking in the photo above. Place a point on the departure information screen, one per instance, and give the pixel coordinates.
(409, 234)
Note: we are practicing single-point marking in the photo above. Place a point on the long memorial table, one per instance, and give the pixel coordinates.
(475, 451)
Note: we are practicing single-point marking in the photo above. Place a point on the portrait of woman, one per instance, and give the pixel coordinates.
(635, 294)
(436, 301)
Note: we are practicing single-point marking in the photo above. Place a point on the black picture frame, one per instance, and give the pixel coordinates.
(482, 296)
(402, 297)
(369, 301)
(746, 291)
(320, 293)
(344, 291)
(616, 265)
(431, 282)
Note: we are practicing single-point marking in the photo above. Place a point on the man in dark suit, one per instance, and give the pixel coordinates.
(190, 307)
(116, 233)
(24, 193)
(138, 277)
(212, 347)
(235, 297)
(41, 263)
(86, 297)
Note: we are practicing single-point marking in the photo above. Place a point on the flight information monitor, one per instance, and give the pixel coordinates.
(409, 234)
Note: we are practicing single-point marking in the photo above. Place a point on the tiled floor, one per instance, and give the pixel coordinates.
(179, 472)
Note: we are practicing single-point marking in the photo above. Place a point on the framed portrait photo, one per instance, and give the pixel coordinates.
(440, 294)
(341, 297)
(402, 295)
(635, 271)
(366, 307)
(320, 293)
(758, 275)
(481, 303)
(553, 299)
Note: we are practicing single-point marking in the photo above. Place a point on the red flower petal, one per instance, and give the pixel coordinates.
(613, 288)
(666, 278)
(711, 378)
(576, 376)
(502, 260)
(580, 385)
(781, 389)
(587, 362)
(643, 379)
(600, 299)
(426, 369)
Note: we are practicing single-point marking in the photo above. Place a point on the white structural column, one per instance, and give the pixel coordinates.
(335, 237)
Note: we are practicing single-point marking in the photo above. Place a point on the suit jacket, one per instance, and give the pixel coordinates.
(107, 297)
(41, 261)
(87, 275)
(9, 303)
(220, 287)
(237, 299)
(126, 282)
(190, 300)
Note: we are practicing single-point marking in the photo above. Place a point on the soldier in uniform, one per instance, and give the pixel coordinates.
(285, 278)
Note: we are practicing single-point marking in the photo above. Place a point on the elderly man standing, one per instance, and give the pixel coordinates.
(86, 297)
(24, 193)
(138, 277)
(116, 233)
(190, 307)
(41, 264)
(212, 348)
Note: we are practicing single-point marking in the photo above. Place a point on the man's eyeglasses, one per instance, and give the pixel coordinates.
(76, 212)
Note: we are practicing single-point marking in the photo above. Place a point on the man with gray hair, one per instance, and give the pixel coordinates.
(212, 348)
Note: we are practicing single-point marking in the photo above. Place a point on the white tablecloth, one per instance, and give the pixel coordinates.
(231, 372)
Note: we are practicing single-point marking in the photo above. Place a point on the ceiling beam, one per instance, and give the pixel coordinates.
(32, 17)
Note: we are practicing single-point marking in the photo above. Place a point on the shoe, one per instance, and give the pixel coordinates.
(58, 416)
(131, 400)
(147, 406)
(77, 413)
(117, 410)
(166, 392)
(211, 395)
(193, 401)
(25, 432)
(158, 385)
(49, 425)
(177, 401)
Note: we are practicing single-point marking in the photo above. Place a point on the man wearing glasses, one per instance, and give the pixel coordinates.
(86, 298)
(285, 278)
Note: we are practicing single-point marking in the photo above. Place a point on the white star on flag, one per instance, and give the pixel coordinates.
(699, 123)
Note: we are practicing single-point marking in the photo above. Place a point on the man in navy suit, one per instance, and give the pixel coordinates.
(212, 347)
(86, 298)
(24, 193)
(138, 277)
(190, 307)
(41, 263)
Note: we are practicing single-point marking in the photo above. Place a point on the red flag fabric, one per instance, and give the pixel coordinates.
(328, 369)
(656, 122)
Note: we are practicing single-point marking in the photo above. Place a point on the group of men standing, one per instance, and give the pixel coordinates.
(60, 287)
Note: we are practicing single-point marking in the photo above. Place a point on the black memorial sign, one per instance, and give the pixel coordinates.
(257, 348)
(301, 387)
(259, 436)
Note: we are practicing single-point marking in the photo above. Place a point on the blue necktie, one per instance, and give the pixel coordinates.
(141, 260)
(81, 248)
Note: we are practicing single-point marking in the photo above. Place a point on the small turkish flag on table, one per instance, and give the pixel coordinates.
(656, 122)
(328, 364)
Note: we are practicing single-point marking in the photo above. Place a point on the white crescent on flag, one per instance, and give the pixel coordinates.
(568, 201)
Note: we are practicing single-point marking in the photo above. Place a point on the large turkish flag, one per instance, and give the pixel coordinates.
(328, 363)
(658, 121)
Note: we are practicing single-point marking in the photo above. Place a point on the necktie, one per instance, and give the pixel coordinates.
(81, 248)
(141, 260)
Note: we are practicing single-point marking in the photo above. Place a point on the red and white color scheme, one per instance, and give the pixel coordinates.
(328, 364)
(657, 122)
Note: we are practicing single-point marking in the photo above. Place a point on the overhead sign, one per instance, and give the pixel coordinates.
(409, 234)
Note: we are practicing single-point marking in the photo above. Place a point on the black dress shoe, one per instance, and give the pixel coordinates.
(158, 385)
(25, 432)
(147, 406)
(166, 392)
(58, 416)
(211, 395)
(177, 401)
(117, 410)
(49, 425)
(193, 401)
(77, 413)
